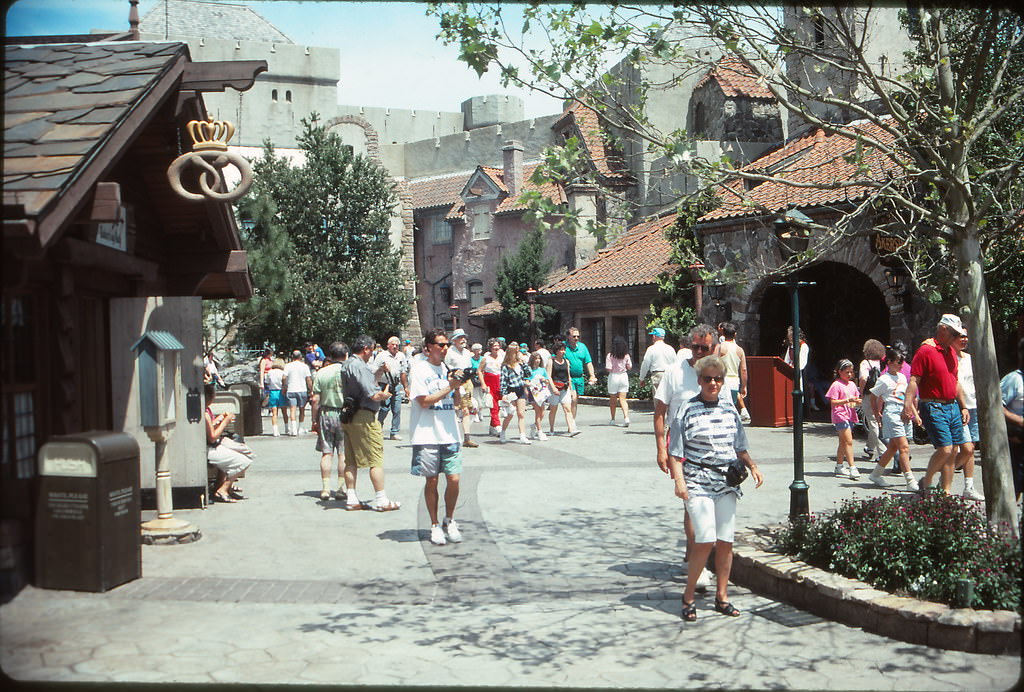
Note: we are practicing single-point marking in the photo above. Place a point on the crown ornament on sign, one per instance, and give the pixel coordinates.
(207, 161)
(210, 134)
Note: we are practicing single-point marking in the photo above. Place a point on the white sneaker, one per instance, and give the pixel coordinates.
(972, 494)
(703, 580)
(840, 471)
(503, 438)
(612, 422)
(876, 478)
(523, 439)
(912, 484)
(495, 431)
(300, 431)
(541, 436)
(454, 535)
(625, 423)
(745, 417)
(854, 472)
(437, 535)
(277, 433)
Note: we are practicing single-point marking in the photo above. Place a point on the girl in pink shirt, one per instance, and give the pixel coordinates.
(844, 397)
(618, 364)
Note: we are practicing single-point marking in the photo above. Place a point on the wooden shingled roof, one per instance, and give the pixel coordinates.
(80, 114)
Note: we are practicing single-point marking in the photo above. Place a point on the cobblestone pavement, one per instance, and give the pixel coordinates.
(569, 576)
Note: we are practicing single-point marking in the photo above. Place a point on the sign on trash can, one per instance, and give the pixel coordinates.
(87, 517)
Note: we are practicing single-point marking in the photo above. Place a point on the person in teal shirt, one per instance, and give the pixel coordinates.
(578, 355)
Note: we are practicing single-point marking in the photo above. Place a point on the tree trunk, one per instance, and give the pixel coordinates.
(995, 451)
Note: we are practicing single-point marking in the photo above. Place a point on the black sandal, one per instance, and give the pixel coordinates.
(689, 611)
(726, 608)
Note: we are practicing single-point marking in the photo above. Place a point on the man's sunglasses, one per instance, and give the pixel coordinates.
(699, 347)
(442, 344)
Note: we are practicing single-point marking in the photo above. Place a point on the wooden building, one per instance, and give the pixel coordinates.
(98, 249)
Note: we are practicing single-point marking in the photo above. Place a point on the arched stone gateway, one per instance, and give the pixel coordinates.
(362, 136)
(838, 314)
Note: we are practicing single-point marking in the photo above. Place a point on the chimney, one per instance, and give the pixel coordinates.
(513, 167)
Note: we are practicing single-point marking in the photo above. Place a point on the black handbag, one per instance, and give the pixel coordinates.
(348, 410)
(736, 473)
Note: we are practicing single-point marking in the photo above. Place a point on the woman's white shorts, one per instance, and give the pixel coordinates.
(712, 517)
(618, 382)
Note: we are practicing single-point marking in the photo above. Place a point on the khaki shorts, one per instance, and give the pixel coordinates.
(655, 381)
(467, 396)
(364, 442)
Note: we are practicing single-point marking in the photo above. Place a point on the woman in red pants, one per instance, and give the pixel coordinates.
(490, 373)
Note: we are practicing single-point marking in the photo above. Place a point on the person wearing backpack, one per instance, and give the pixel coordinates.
(868, 372)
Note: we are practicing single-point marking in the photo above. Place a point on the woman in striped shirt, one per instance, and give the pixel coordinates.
(708, 434)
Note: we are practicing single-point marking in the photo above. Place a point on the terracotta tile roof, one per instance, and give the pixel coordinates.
(215, 20)
(61, 102)
(735, 79)
(509, 204)
(635, 259)
(438, 190)
(607, 161)
(816, 159)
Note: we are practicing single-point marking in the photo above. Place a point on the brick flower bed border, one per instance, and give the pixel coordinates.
(857, 604)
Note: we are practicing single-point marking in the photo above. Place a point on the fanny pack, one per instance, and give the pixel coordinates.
(735, 473)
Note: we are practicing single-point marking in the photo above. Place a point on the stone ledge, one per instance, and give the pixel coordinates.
(857, 604)
(634, 404)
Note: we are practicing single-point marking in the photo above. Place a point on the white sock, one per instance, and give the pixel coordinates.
(879, 470)
(909, 475)
(381, 499)
(351, 497)
(968, 483)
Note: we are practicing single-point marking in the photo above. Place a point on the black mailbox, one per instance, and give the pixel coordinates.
(87, 520)
(251, 406)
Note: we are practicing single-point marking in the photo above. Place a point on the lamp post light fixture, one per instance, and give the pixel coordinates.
(716, 292)
(799, 506)
(897, 280)
(792, 233)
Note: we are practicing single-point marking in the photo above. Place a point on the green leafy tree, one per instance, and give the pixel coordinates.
(939, 145)
(526, 268)
(323, 267)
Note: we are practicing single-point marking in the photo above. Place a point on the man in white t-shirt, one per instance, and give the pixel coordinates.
(434, 433)
(658, 358)
(461, 358)
(298, 386)
(677, 387)
(391, 368)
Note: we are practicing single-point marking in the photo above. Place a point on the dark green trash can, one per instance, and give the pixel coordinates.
(87, 517)
(251, 407)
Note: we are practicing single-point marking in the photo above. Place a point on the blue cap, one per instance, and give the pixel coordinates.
(657, 331)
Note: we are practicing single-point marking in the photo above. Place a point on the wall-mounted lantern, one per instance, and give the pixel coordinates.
(792, 230)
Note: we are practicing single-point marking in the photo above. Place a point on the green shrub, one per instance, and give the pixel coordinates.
(635, 390)
(912, 545)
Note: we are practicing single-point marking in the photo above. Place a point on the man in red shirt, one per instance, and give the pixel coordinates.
(935, 393)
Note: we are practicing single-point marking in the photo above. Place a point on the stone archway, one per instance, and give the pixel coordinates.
(838, 314)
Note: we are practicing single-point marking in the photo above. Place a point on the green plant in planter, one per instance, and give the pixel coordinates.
(916, 546)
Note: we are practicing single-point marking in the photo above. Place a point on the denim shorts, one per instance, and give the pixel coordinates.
(431, 460)
(943, 423)
(893, 424)
(298, 399)
(843, 425)
(971, 432)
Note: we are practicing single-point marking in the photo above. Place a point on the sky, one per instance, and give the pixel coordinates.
(389, 54)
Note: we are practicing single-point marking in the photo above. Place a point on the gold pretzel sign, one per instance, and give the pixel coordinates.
(210, 155)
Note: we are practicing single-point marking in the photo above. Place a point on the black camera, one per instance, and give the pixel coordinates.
(461, 375)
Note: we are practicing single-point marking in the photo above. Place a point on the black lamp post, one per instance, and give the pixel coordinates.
(531, 298)
(798, 489)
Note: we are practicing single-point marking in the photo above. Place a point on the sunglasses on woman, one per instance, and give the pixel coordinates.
(708, 379)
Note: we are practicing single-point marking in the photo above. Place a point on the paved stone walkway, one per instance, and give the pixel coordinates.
(569, 576)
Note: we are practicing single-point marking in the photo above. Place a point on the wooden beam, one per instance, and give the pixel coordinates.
(226, 261)
(79, 253)
(218, 75)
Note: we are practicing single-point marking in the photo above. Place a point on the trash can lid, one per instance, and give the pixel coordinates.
(107, 444)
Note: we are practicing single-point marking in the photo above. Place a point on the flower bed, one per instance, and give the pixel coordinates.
(915, 546)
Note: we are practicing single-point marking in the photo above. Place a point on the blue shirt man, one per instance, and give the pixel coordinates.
(578, 355)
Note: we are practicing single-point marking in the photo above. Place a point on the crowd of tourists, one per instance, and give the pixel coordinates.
(700, 397)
